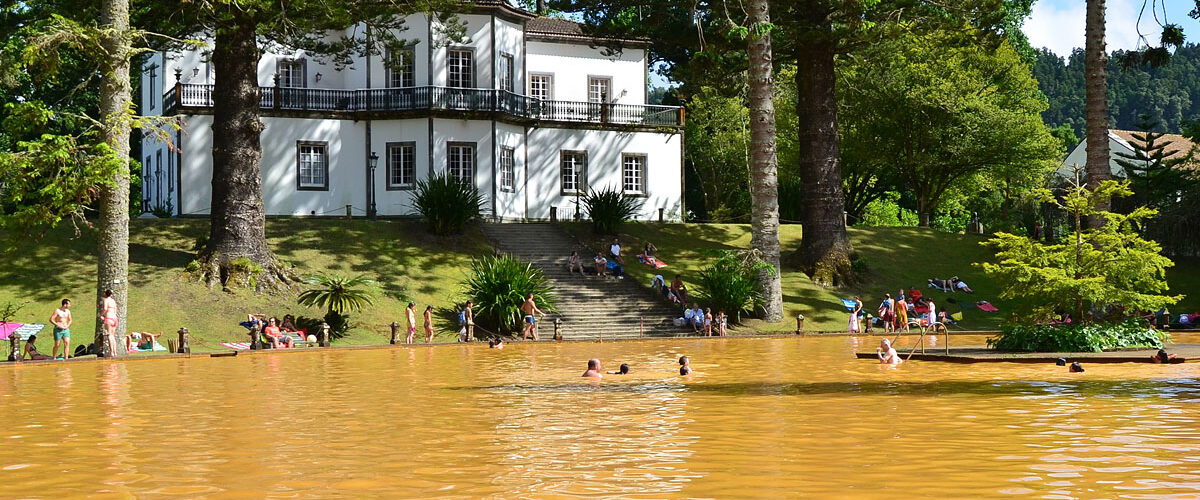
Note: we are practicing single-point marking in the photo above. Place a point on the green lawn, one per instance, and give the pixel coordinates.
(403, 259)
(896, 257)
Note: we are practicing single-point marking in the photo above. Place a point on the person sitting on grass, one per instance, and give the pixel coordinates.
(648, 253)
(31, 351)
(253, 320)
(601, 264)
(573, 263)
(961, 285)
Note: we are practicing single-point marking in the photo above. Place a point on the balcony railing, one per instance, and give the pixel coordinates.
(193, 96)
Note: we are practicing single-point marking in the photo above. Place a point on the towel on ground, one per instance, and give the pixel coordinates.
(984, 305)
(237, 346)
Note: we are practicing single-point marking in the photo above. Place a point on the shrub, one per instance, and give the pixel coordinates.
(1091, 337)
(608, 208)
(731, 284)
(447, 204)
(499, 285)
(339, 295)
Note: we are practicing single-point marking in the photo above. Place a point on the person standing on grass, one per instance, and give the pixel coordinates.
(61, 319)
(530, 309)
(853, 324)
(411, 315)
(108, 314)
(429, 324)
(933, 318)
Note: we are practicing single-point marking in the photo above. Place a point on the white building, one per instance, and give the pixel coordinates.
(528, 110)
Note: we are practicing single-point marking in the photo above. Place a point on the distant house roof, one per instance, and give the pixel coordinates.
(1122, 141)
(565, 30)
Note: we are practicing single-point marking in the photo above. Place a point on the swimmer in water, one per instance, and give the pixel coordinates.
(685, 366)
(1076, 367)
(593, 370)
(887, 354)
(496, 344)
(623, 371)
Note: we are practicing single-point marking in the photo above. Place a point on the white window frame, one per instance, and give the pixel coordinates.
(633, 182)
(546, 94)
(508, 169)
(469, 67)
(592, 81)
(305, 151)
(401, 159)
(406, 71)
(457, 167)
(291, 70)
(505, 70)
(573, 182)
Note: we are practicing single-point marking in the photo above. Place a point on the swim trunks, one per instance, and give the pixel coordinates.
(61, 333)
(529, 319)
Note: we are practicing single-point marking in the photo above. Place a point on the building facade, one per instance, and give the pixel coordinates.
(530, 110)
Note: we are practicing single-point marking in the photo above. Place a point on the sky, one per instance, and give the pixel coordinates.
(1058, 24)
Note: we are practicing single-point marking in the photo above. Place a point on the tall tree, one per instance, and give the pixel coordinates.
(1096, 81)
(239, 29)
(764, 193)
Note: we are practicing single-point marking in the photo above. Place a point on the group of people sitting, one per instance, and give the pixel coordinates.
(273, 331)
(612, 263)
(594, 370)
(703, 321)
(950, 285)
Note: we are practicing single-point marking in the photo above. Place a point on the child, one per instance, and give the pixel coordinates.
(722, 320)
(708, 322)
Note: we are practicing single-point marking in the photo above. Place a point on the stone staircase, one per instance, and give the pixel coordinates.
(590, 307)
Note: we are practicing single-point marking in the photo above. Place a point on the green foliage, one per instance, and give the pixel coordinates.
(887, 211)
(1092, 337)
(609, 208)
(1156, 168)
(1093, 269)
(730, 283)
(337, 294)
(447, 204)
(718, 135)
(499, 284)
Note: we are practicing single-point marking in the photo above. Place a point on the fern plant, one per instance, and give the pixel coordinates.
(609, 208)
(499, 284)
(446, 203)
(338, 295)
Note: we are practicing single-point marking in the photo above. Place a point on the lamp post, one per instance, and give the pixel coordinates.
(372, 162)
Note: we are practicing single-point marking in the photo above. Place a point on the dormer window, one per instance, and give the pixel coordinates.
(291, 73)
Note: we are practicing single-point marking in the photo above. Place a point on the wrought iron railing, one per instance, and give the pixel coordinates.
(192, 96)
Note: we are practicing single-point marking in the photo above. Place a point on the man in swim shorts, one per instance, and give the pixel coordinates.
(61, 319)
(530, 309)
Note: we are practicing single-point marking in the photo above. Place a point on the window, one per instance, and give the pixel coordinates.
(291, 73)
(153, 76)
(508, 170)
(541, 87)
(170, 173)
(147, 198)
(460, 70)
(460, 161)
(633, 174)
(506, 72)
(312, 166)
(401, 165)
(400, 72)
(574, 172)
(158, 175)
(598, 89)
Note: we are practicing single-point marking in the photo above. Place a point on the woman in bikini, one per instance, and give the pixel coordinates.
(411, 317)
(108, 314)
(428, 324)
(708, 321)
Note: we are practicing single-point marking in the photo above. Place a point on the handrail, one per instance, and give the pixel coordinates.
(429, 98)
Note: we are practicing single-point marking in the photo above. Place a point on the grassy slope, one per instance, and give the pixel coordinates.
(399, 255)
(897, 257)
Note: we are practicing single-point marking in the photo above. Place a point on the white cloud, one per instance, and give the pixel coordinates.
(1059, 25)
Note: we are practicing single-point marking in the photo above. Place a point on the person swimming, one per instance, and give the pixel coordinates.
(593, 369)
(685, 366)
(496, 344)
(1076, 367)
(623, 371)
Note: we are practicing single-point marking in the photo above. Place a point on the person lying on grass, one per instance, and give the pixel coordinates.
(143, 340)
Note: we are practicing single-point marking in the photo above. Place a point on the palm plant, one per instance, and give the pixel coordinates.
(447, 203)
(609, 208)
(499, 284)
(731, 283)
(339, 295)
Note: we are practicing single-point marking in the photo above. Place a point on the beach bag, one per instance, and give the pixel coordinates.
(462, 317)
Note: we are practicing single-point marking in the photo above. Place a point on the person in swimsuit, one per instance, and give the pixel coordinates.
(496, 344)
(31, 351)
(429, 324)
(410, 315)
(144, 341)
(530, 309)
(593, 369)
(108, 314)
(887, 354)
(623, 371)
(61, 319)
(708, 322)
(685, 366)
(853, 324)
(722, 323)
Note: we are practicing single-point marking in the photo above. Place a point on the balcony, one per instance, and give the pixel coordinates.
(399, 102)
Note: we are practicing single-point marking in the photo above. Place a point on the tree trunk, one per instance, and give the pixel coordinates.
(764, 187)
(1096, 129)
(825, 249)
(112, 271)
(238, 219)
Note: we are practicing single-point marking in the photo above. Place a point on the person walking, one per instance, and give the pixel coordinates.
(61, 319)
(530, 309)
